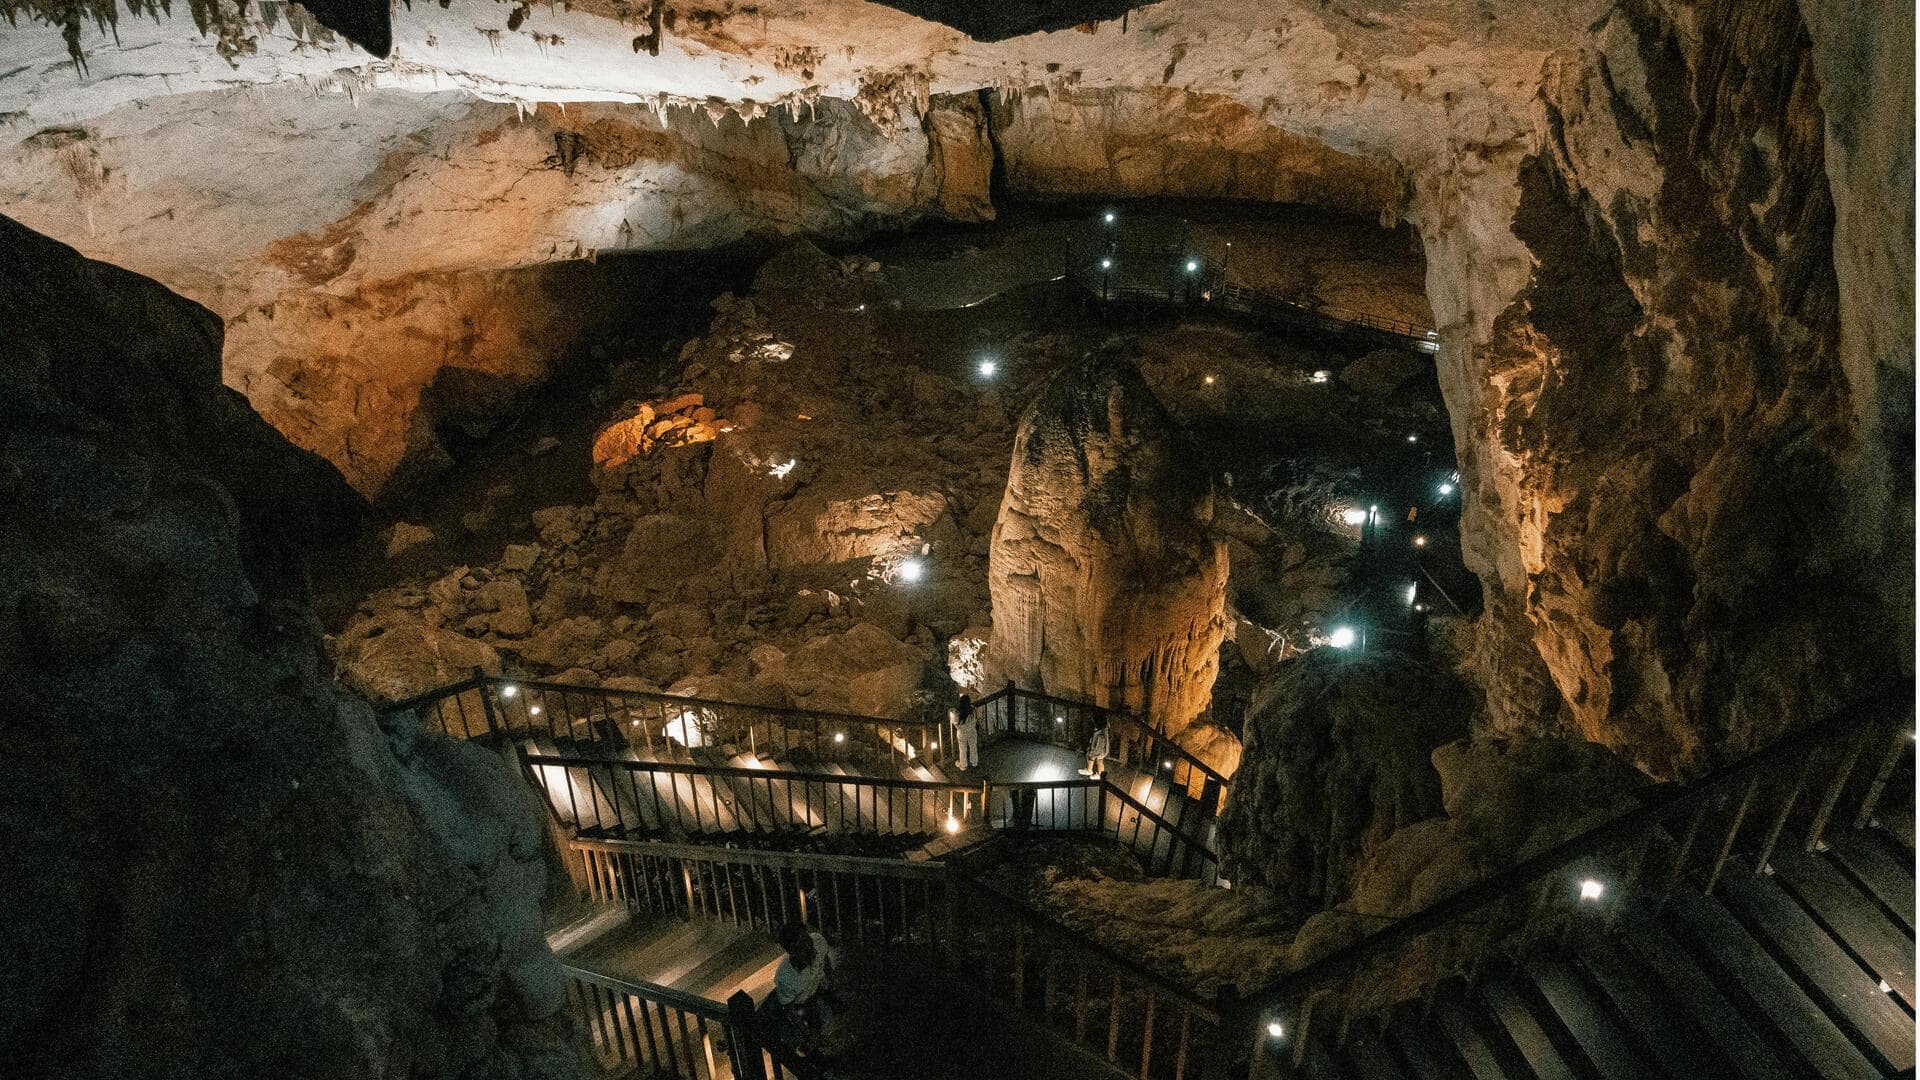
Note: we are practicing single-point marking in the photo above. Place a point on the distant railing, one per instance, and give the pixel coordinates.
(1134, 741)
(495, 707)
(1624, 869)
(1189, 267)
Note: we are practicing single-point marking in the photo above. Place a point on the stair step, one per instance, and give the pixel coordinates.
(1583, 1016)
(1664, 1031)
(1510, 1009)
(1886, 873)
(1849, 993)
(1854, 918)
(1420, 1048)
(1483, 1055)
(1762, 988)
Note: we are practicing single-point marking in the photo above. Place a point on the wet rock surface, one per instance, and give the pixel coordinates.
(218, 865)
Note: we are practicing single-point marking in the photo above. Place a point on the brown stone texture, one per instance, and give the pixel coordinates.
(1688, 488)
(217, 866)
(1108, 583)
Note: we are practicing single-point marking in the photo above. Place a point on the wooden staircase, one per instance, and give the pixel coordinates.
(1806, 970)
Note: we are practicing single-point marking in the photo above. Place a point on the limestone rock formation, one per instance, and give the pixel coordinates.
(1107, 580)
(1336, 760)
(1687, 476)
(217, 865)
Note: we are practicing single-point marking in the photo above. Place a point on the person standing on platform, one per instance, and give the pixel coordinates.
(1098, 749)
(966, 731)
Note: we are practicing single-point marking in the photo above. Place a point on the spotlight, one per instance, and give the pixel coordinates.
(534, 711)
(953, 824)
(912, 570)
(1446, 489)
(1353, 517)
(1059, 719)
(1342, 637)
(1208, 380)
(1106, 264)
(1193, 266)
(1166, 764)
(1413, 591)
(1413, 438)
(1109, 217)
(1591, 889)
(987, 368)
(1322, 376)
(1276, 1030)
(839, 736)
(509, 691)
(1420, 541)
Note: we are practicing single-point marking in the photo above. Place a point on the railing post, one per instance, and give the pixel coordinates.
(486, 701)
(1902, 745)
(743, 1038)
(1780, 819)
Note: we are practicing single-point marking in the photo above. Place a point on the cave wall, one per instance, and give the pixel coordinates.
(1108, 584)
(1160, 141)
(217, 866)
(1675, 451)
(383, 242)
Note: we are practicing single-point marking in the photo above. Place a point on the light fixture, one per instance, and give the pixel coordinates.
(1167, 764)
(911, 570)
(1106, 264)
(1322, 376)
(1413, 438)
(1413, 590)
(862, 307)
(509, 690)
(1420, 541)
(1059, 719)
(1110, 217)
(953, 824)
(1276, 1030)
(1342, 637)
(934, 745)
(1420, 607)
(1885, 988)
(1208, 380)
(534, 710)
(839, 736)
(988, 367)
(1591, 889)
(1446, 489)
(1353, 517)
(1193, 266)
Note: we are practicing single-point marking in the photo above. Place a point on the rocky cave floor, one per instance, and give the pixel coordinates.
(725, 510)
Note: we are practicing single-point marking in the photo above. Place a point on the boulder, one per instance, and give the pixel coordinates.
(395, 656)
(660, 553)
(404, 536)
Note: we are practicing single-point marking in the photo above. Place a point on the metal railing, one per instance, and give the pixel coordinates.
(493, 707)
(1134, 742)
(1188, 267)
(1117, 1012)
(1623, 870)
(600, 798)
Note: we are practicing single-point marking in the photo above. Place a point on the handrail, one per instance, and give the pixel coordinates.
(684, 768)
(1529, 872)
(663, 697)
(784, 860)
(666, 995)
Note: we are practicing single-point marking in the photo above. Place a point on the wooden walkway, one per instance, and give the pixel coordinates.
(1806, 970)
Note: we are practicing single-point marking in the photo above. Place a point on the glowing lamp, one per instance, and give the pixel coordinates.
(912, 570)
(1109, 217)
(1322, 376)
(1106, 264)
(953, 824)
(1413, 438)
(1342, 637)
(839, 736)
(988, 367)
(1420, 541)
(1166, 764)
(1276, 1030)
(534, 710)
(509, 691)
(1446, 489)
(1412, 591)
(1591, 889)
(1059, 719)
(1208, 380)
(1353, 517)
(1193, 266)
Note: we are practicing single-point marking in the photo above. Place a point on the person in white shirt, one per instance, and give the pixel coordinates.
(1098, 748)
(967, 733)
(801, 982)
